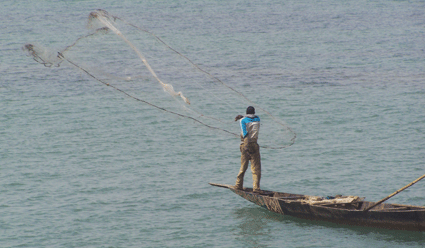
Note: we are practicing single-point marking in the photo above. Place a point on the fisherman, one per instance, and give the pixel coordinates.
(250, 150)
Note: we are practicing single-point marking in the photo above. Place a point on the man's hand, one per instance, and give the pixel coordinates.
(238, 117)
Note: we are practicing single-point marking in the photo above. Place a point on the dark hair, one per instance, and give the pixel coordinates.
(250, 110)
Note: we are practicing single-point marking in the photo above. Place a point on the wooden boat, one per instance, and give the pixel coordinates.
(349, 210)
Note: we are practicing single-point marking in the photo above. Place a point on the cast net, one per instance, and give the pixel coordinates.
(111, 54)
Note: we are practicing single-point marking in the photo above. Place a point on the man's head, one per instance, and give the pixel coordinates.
(250, 110)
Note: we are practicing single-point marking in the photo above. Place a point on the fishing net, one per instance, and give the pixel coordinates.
(111, 54)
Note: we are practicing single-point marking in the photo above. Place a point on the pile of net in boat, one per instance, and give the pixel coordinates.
(315, 200)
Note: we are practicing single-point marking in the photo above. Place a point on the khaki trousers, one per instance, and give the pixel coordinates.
(251, 154)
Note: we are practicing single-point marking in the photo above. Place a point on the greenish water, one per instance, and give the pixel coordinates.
(81, 165)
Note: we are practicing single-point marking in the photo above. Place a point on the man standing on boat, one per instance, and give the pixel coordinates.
(250, 150)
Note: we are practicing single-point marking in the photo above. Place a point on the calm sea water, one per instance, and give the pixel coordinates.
(81, 165)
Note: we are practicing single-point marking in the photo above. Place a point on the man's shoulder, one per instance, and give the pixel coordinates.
(247, 119)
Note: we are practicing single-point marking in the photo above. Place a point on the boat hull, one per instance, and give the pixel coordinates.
(388, 216)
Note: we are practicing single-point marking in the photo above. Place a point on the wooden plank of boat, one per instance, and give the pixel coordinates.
(342, 210)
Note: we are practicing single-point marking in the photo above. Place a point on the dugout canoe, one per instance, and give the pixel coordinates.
(347, 210)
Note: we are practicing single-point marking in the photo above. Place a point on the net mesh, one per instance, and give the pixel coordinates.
(103, 57)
